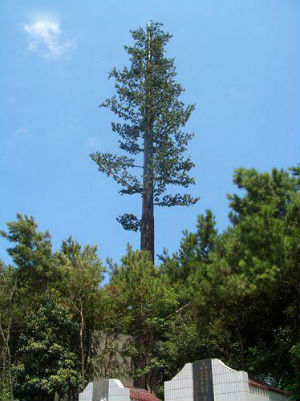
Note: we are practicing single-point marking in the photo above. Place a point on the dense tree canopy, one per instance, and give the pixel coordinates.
(47, 359)
(232, 295)
(246, 289)
(146, 306)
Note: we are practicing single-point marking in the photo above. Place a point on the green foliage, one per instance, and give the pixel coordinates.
(194, 249)
(145, 305)
(31, 252)
(294, 386)
(9, 315)
(82, 273)
(5, 394)
(244, 292)
(47, 363)
(147, 100)
(73, 277)
(232, 295)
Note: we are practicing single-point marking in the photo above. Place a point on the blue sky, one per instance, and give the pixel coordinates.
(238, 61)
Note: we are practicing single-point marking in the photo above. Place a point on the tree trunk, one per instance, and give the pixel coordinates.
(242, 349)
(147, 228)
(10, 382)
(140, 362)
(7, 353)
(82, 350)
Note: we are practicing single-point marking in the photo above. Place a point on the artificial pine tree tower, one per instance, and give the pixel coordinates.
(150, 120)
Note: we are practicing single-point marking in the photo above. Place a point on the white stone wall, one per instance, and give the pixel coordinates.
(180, 388)
(228, 385)
(116, 392)
(87, 394)
(259, 394)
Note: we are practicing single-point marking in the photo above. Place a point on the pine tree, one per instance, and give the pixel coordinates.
(31, 252)
(146, 305)
(82, 273)
(151, 118)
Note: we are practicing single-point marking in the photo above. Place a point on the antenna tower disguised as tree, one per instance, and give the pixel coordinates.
(150, 120)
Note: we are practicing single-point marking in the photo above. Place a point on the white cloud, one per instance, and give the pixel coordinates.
(45, 37)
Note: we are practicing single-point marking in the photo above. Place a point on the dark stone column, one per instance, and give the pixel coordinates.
(203, 380)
